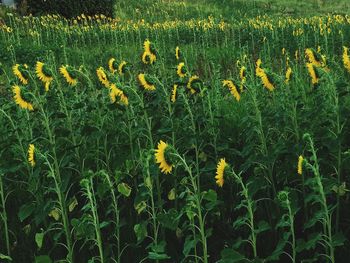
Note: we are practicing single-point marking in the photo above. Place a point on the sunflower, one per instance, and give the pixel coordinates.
(64, 70)
(160, 155)
(288, 74)
(19, 100)
(117, 93)
(181, 70)
(191, 81)
(42, 72)
(17, 71)
(31, 151)
(300, 164)
(174, 93)
(318, 62)
(148, 58)
(242, 74)
(144, 83)
(263, 76)
(122, 67)
(220, 172)
(312, 73)
(177, 53)
(101, 74)
(111, 65)
(233, 89)
(346, 59)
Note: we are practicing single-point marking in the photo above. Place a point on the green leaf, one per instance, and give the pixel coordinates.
(140, 207)
(140, 231)
(124, 189)
(156, 256)
(229, 255)
(172, 194)
(43, 259)
(189, 245)
(338, 240)
(25, 211)
(73, 204)
(2, 256)
(39, 237)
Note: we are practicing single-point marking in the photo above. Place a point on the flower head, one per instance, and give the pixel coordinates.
(346, 59)
(288, 75)
(31, 151)
(111, 65)
(233, 89)
(174, 93)
(312, 73)
(64, 70)
(101, 74)
(19, 100)
(117, 93)
(177, 53)
(300, 164)
(42, 72)
(220, 172)
(181, 70)
(18, 73)
(122, 67)
(145, 83)
(161, 158)
(193, 79)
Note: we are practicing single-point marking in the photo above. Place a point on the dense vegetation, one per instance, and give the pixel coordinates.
(175, 137)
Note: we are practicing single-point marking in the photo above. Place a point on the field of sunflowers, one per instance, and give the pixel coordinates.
(179, 140)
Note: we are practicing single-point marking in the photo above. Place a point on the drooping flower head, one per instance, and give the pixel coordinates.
(122, 67)
(315, 58)
(174, 93)
(112, 65)
(232, 88)
(145, 82)
(162, 157)
(300, 165)
(68, 75)
(346, 59)
(18, 71)
(101, 74)
(312, 73)
(288, 75)
(19, 100)
(220, 172)
(148, 56)
(191, 84)
(31, 158)
(177, 53)
(43, 72)
(260, 72)
(181, 70)
(116, 93)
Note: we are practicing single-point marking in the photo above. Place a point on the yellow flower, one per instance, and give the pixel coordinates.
(312, 58)
(346, 59)
(164, 166)
(231, 86)
(31, 151)
(103, 77)
(148, 58)
(117, 93)
(40, 72)
(111, 65)
(288, 74)
(65, 73)
(283, 51)
(190, 82)
(312, 73)
(173, 93)
(144, 83)
(300, 164)
(19, 74)
(177, 53)
(181, 72)
(220, 172)
(121, 67)
(19, 100)
(263, 76)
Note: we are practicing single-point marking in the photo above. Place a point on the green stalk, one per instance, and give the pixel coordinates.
(4, 215)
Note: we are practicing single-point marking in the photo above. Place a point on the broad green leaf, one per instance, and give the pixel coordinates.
(25, 211)
(73, 204)
(156, 256)
(55, 213)
(43, 259)
(2, 256)
(172, 194)
(39, 237)
(124, 189)
(229, 255)
(140, 207)
(140, 231)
